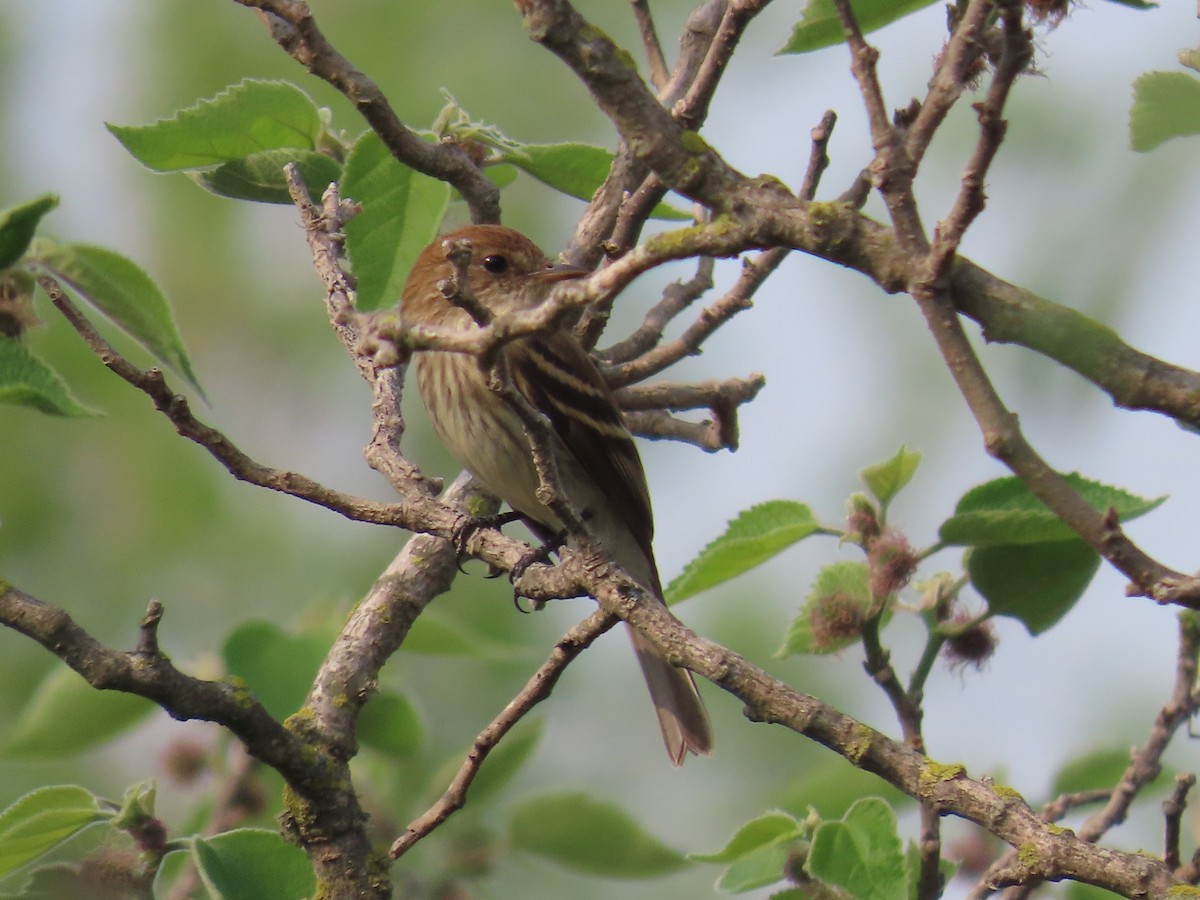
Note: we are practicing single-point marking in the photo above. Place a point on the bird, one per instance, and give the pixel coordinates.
(599, 469)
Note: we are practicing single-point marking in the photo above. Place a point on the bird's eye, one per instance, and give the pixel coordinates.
(496, 264)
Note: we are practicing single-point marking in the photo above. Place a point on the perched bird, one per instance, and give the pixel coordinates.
(599, 469)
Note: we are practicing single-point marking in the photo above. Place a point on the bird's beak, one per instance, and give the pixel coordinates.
(560, 272)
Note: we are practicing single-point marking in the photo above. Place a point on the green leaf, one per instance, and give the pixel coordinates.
(401, 212)
(766, 865)
(764, 831)
(1005, 511)
(576, 170)
(390, 725)
(591, 837)
(1095, 770)
(25, 380)
(242, 120)
(137, 807)
(18, 224)
(885, 480)
(252, 863)
(819, 25)
(54, 881)
(279, 667)
(1036, 584)
(756, 535)
(41, 820)
(1165, 105)
(122, 291)
(259, 177)
(833, 612)
(501, 175)
(66, 715)
(861, 853)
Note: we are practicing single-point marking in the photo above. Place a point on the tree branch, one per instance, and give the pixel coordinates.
(318, 782)
(1144, 766)
(946, 790)
(654, 50)
(537, 689)
(294, 28)
(676, 297)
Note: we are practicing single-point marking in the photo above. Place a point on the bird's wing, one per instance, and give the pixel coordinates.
(558, 377)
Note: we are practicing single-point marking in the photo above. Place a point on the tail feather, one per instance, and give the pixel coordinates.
(681, 714)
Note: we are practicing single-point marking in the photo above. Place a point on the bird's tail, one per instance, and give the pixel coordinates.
(681, 713)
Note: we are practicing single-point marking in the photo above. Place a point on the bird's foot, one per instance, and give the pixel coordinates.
(535, 555)
(466, 529)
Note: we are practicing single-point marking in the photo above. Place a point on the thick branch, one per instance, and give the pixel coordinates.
(321, 785)
(947, 790)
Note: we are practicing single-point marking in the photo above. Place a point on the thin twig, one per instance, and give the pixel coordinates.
(650, 43)
(177, 409)
(457, 288)
(818, 158)
(893, 171)
(692, 110)
(676, 297)
(1144, 766)
(542, 447)
(1173, 809)
(644, 408)
(632, 215)
(969, 202)
(1146, 763)
(708, 435)
(324, 230)
(536, 689)
(878, 665)
(857, 194)
(737, 299)
(294, 28)
(627, 173)
(950, 79)
(719, 433)
(677, 396)
(1058, 808)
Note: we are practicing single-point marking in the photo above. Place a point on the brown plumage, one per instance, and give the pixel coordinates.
(598, 463)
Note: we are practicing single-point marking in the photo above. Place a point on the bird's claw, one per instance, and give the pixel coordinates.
(540, 554)
(466, 528)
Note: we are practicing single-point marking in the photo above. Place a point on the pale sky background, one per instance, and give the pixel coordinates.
(1073, 214)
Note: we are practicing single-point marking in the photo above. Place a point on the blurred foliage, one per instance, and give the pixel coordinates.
(100, 514)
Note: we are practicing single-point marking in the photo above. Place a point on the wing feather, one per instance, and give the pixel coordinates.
(558, 377)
